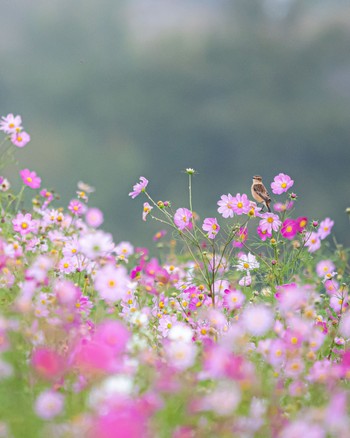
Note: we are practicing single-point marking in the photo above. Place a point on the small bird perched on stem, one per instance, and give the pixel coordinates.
(259, 192)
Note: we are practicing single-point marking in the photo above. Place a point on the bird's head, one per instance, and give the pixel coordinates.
(257, 179)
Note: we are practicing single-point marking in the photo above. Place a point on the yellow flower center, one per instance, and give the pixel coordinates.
(240, 205)
(278, 353)
(294, 340)
(246, 265)
(29, 179)
(203, 331)
(24, 225)
(270, 220)
(75, 208)
(19, 138)
(214, 227)
(289, 229)
(11, 125)
(111, 283)
(66, 265)
(302, 223)
(284, 185)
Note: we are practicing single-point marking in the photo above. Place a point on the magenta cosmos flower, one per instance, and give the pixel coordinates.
(10, 124)
(281, 183)
(139, 187)
(211, 226)
(182, 218)
(289, 229)
(269, 222)
(263, 234)
(20, 139)
(226, 205)
(30, 179)
(241, 204)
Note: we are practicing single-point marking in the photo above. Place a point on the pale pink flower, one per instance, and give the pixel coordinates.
(241, 204)
(49, 404)
(246, 280)
(20, 139)
(325, 228)
(269, 222)
(257, 319)
(226, 205)
(139, 187)
(294, 367)
(96, 244)
(30, 179)
(10, 124)
(124, 249)
(147, 208)
(182, 218)
(112, 283)
(76, 207)
(234, 300)
(94, 217)
(344, 327)
(181, 355)
(211, 226)
(324, 267)
(312, 241)
(281, 183)
(23, 224)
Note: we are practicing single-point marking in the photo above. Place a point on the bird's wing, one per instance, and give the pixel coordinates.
(261, 191)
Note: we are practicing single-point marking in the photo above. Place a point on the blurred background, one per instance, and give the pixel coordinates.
(110, 90)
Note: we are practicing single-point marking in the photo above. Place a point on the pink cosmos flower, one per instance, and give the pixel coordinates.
(49, 404)
(241, 237)
(159, 235)
(263, 234)
(301, 223)
(30, 179)
(76, 207)
(269, 222)
(246, 280)
(96, 244)
(182, 218)
(23, 224)
(147, 208)
(234, 300)
(211, 226)
(124, 249)
(281, 183)
(111, 283)
(47, 363)
(20, 139)
(324, 267)
(180, 354)
(289, 229)
(94, 217)
(10, 124)
(257, 319)
(241, 204)
(325, 228)
(313, 242)
(226, 205)
(139, 187)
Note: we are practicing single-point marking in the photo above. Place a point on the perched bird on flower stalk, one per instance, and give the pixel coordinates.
(259, 192)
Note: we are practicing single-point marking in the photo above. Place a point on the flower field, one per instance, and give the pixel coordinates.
(240, 327)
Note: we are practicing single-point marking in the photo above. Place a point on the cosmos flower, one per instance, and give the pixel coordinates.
(30, 179)
(226, 205)
(269, 222)
(211, 226)
(325, 228)
(247, 262)
(281, 183)
(139, 187)
(182, 218)
(10, 124)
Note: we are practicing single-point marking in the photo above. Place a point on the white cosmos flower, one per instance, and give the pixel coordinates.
(247, 262)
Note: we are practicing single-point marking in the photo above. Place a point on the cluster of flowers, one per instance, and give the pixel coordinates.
(102, 340)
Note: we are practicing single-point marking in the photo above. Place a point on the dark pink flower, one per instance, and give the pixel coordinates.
(30, 179)
(301, 223)
(289, 229)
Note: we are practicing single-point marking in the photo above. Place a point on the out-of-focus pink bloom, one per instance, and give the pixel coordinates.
(240, 204)
(96, 244)
(94, 217)
(234, 300)
(226, 205)
(30, 179)
(344, 327)
(289, 229)
(211, 226)
(300, 428)
(245, 281)
(241, 237)
(23, 224)
(324, 267)
(113, 334)
(301, 223)
(66, 292)
(147, 208)
(279, 206)
(312, 241)
(159, 235)
(181, 355)
(10, 124)
(49, 404)
(182, 218)
(281, 183)
(47, 363)
(112, 283)
(294, 367)
(20, 139)
(269, 222)
(124, 249)
(139, 187)
(325, 228)
(257, 319)
(263, 234)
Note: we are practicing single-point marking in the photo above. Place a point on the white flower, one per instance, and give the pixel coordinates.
(247, 262)
(257, 320)
(96, 244)
(180, 332)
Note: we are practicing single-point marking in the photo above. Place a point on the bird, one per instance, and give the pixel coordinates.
(259, 192)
